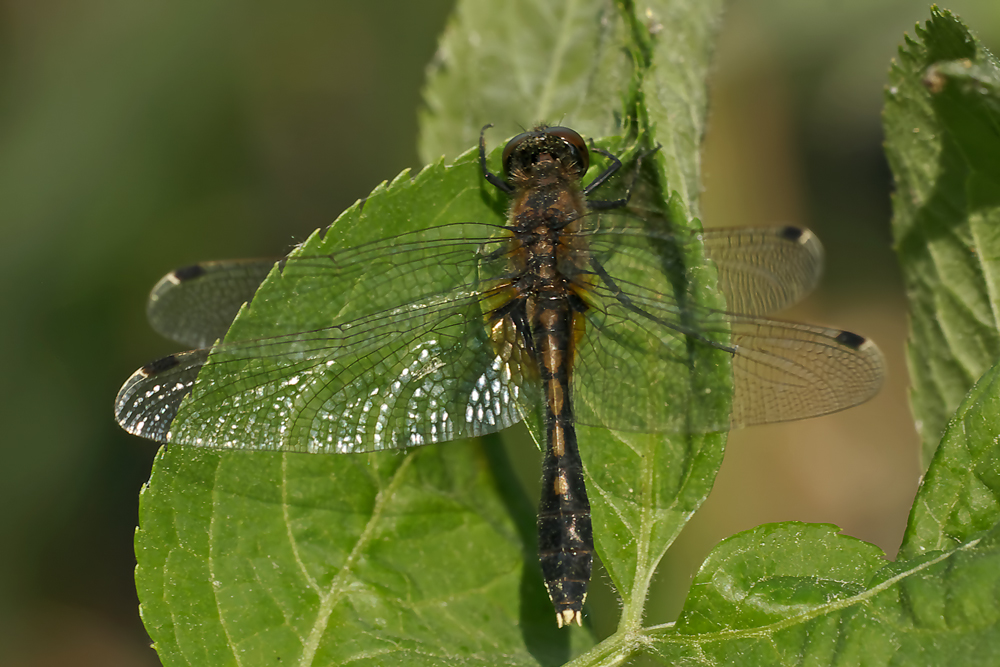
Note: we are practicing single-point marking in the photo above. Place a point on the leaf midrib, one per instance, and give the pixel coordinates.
(339, 583)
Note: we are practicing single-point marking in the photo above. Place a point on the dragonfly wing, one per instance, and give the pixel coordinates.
(647, 323)
(784, 371)
(355, 375)
(761, 270)
(195, 305)
(764, 270)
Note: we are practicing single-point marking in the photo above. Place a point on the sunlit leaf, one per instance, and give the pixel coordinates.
(430, 556)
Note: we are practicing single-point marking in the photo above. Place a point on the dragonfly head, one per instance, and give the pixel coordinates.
(546, 148)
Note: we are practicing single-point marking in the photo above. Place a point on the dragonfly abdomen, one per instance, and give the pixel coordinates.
(565, 534)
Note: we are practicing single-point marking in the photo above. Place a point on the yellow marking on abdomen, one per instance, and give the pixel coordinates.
(556, 403)
(558, 440)
(561, 485)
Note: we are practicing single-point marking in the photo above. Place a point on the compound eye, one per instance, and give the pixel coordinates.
(512, 146)
(579, 147)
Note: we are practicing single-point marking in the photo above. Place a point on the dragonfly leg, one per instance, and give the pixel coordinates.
(492, 178)
(597, 182)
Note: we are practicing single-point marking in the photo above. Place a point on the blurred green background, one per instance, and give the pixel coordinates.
(136, 137)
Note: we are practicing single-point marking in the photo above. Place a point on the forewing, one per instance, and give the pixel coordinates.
(761, 270)
(388, 350)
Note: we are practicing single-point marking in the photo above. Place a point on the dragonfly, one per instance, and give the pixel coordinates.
(467, 328)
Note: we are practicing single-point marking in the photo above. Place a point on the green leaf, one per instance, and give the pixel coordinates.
(942, 125)
(601, 68)
(610, 71)
(517, 64)
(431, 556)
(427, 556)
(254, 558)
(960, 495)
(424, 563)
(801, 594)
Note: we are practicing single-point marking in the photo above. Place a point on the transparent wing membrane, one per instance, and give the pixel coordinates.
(385, 382)
(761, 271)
(782, 371)
(387, 346)
(649, 334)
(196, 304)
(764, 270)
(354, 376)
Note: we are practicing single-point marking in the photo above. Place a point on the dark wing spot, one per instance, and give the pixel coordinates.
(790, 233)
(851, 340)
(189, 273)
(160, 365)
